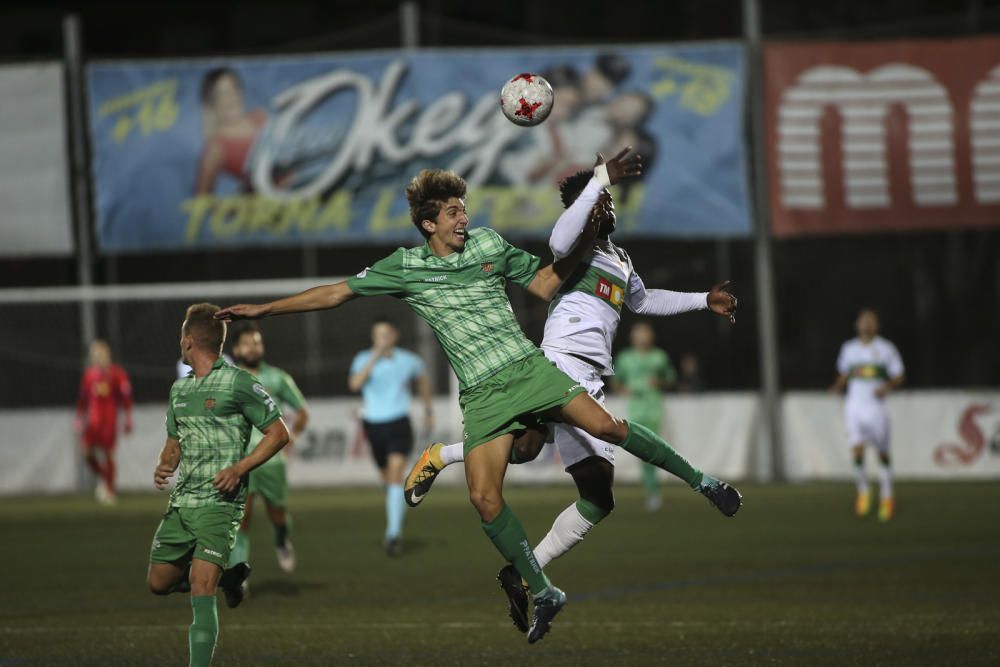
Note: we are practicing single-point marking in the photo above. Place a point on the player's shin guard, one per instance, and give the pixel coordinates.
(568, 530)
(651, 448)
(204, 630)
(508, 536)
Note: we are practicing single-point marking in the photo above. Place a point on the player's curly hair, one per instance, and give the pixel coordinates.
(571, 186)
(428, 192)
(199, 323)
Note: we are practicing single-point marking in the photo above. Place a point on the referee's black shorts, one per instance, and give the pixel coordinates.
(395, 437)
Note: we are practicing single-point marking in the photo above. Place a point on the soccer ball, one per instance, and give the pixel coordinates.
(526, 99)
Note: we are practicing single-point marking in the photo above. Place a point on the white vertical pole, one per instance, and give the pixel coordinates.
(76, 104)
(766, 314)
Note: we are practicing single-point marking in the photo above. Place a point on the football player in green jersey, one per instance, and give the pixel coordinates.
(455, 282)
(270, 481)
(643, 372)
(210, 415)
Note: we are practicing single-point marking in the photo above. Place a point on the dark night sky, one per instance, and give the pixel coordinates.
(113, 28)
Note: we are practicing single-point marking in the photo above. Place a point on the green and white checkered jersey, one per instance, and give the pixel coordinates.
(282, 388)
(461, 296)
(211, 418)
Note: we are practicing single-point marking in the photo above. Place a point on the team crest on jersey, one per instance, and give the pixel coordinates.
(209, 403)
(487, 267)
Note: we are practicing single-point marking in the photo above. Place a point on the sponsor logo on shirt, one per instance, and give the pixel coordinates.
(487, 267)
(436, 279)
(209, 403)
(603, 288)
(178, 404)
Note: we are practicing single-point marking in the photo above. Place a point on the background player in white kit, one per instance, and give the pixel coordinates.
(869, 366)
(579, 332)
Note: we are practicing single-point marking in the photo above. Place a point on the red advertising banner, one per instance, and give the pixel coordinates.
(866, 137)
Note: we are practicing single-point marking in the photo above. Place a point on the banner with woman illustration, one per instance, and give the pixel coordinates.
(316, 149)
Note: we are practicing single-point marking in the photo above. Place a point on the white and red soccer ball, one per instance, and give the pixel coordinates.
(526, 99)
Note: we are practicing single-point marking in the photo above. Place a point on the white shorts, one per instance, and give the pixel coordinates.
(574, 444)
(867, 427)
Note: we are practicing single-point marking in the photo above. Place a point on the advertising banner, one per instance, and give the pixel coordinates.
(935, 435)
(291, 150)
(867, 137)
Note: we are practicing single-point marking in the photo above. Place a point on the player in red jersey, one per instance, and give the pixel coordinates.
(104, 389)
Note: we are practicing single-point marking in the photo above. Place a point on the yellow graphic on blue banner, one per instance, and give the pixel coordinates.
(703, 88)
(152, 108)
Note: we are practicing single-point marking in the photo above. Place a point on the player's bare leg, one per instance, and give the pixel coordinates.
(395, 503)
(485, 468)
(587, 414)
(438, 456)
(167, 578)
(862, 500)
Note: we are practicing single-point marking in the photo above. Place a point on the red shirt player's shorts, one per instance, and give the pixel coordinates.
(101, 432)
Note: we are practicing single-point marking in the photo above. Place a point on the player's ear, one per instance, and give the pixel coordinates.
(428, 225)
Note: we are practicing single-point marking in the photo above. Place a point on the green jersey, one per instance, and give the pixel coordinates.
(643, 373)
(461, 296)
(211, 418)
(282, 388)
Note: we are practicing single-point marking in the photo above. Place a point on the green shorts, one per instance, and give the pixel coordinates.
(517, 397)
(206, 533)
(271, 481)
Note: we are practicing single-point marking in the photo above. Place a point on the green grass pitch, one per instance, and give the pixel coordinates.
(794, 579)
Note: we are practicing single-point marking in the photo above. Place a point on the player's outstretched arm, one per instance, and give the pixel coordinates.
(323, 297)
(571, 223)
(170, 458)
(275, 437)
(666, 302)
(546, 283)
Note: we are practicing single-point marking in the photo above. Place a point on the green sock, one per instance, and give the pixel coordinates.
(649, 479)
(281, 532)
(591, 512)
(507, 535)
(204, 630)
(241, 550)
(651, 448)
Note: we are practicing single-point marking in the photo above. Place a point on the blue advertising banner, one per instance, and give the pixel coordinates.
(292, 150)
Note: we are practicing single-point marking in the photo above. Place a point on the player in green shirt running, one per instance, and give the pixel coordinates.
(643, 372)
(455, 282)
(270, 481)
(210, 415)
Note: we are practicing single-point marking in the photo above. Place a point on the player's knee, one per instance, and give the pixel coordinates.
(158, 587)
(610, 429)
(487, 503)
(526, 450)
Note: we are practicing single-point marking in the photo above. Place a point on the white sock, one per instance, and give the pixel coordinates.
(860, 479)
(453, 453)
(885, 481)
(567, 531)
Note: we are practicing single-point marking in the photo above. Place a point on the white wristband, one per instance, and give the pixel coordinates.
(601, 174)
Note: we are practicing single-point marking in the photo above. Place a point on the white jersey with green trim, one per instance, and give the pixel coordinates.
(583, 318)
